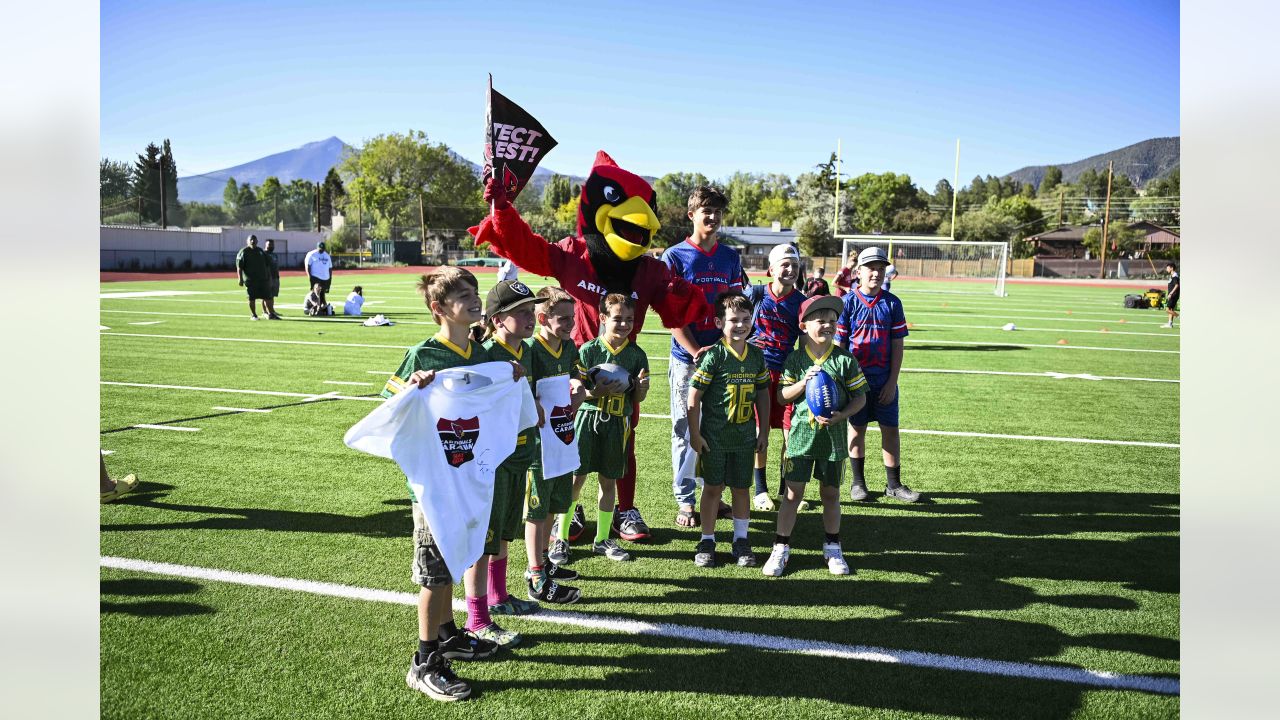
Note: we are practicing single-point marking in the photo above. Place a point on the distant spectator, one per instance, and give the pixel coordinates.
(355, 302)
(319, 267)
(1171, 296)
(251, 265)
(890, 272)
(817, 285)
(844, 278)
(314, 304)
(273, 280)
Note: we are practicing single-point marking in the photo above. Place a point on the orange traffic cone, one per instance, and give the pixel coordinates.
(1063, 341)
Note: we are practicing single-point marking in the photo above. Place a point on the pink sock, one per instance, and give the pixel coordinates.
(478, 613)
(498, 580)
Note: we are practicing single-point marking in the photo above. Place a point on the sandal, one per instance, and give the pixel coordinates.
(687, 518)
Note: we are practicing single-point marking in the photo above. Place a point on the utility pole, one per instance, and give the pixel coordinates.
(317, 208)
(1106, 217)
(360, 219)
(422, 224)
(163, 216)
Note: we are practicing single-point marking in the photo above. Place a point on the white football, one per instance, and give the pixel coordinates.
(610, 371)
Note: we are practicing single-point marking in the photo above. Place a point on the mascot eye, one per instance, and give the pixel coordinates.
(612, 194)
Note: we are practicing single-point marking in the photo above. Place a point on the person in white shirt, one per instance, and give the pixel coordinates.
(319, 267)
(355, 302)
(890, 272)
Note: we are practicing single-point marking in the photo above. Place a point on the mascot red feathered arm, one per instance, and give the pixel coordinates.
(616, 225)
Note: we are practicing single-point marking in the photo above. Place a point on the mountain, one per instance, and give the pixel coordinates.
(1142, 162)
(309, 162)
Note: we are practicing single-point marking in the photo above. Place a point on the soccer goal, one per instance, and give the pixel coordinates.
(976, 267)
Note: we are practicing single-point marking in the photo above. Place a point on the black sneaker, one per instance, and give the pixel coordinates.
(903, 493)
(552, 592)
(706, 554)
(435, 679)
(629, 525)
(466, 646)
(555, 572)
(742, 552)
(577, 524)
(858, 492)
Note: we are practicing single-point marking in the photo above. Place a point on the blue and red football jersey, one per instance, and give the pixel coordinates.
(867, 326)
(776, 325)
(713, 273)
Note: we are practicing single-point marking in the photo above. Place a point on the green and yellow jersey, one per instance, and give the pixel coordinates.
(807, 439)
(729, 383)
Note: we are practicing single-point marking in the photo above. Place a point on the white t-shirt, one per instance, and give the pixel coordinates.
(318, 264)
(354, 304)
(449, 439)
(890, 272)
(559, 442)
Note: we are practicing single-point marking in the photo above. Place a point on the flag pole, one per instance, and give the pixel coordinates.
(955, 191)
(493, 168)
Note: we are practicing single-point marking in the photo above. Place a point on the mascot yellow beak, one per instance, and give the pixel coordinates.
(627, 228)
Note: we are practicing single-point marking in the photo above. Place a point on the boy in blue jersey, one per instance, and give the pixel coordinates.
(775, 328)
(714, 269)
(872, 327)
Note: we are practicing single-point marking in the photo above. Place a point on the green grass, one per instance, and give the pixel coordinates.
(1031, 551)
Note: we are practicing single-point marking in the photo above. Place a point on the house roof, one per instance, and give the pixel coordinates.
(746, 235)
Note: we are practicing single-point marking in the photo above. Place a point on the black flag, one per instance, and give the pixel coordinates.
(514, 142)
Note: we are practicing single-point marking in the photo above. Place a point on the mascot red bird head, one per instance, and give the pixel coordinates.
(620, 207)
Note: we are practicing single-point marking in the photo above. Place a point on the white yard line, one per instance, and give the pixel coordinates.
(909, 341)
(240, 316)
(237, 391)
(236, 409)
(388, 373)
(147, 322)
(347, 382)
(754, 641)
(1136, 322)
(1047, 374)
(401, 348)
(145, 293)
(1048, 330)
(146, 426)
(954, 433)
(107, 452)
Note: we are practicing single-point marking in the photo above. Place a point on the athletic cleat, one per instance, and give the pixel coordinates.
(629, 525)
(495, 633)
(577, 524)
(274, 316)
(858, 492)
(435, 679)
(609, 548)
(777, 561)
(834, 556)
(763, 502)
(514, 606)
(466, 645)
(706, 554)
(742, 553)
(559, 553)
(554, 571)
(553, 592)
(253, 318)
(903, 493)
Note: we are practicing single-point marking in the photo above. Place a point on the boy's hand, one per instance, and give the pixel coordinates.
(762, 440)
(697, 444)
(517, 370)
(422, 378)
(542, 418)
(495, 193)
(810, 373)
(887, 393)
(701, 351)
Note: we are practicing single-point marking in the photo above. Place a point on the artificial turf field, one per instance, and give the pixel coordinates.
(1040, 580)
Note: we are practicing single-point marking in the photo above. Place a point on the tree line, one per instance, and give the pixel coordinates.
(403, 186)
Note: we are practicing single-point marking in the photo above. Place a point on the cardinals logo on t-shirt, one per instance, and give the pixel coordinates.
(562, 423)
(458, 437)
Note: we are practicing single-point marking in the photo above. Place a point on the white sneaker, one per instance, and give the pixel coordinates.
(777, 561)
(834, 556)
(763, 502)
(1167, 325)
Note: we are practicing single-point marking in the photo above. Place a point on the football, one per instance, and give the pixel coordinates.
(820, 394)
(610, 371)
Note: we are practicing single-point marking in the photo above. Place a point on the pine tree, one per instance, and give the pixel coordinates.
(146, 183)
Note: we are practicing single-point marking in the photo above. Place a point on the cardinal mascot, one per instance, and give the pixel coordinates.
(608, 254)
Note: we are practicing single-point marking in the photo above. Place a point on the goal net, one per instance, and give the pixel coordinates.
(971, 267)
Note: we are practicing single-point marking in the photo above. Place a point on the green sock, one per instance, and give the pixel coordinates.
(604, 523)
(563, 529)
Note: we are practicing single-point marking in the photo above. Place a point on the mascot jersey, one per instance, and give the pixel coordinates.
(449, 439)
(616, 223)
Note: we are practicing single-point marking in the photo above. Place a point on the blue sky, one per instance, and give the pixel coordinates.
(662, 86)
